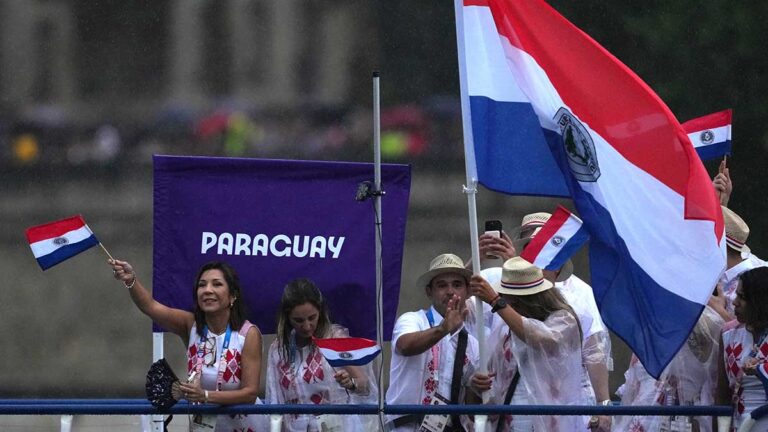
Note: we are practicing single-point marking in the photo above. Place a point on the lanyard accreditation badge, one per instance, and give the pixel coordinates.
(207, 422)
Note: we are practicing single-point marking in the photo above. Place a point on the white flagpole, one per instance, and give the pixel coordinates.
(378, 233)
(471, 190)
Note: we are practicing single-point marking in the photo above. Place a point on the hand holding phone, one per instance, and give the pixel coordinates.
(493, 228)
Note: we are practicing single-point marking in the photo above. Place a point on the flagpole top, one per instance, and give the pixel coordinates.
(376, 74)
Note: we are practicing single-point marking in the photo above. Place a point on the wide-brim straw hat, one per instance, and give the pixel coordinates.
(519, 278)
(443, 263)
(736, 232)
(566, 270)
(530, 222)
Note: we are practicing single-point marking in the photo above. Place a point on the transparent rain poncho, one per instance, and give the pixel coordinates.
(689, 379)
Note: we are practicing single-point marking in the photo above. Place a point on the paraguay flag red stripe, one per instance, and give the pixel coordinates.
(54, 229)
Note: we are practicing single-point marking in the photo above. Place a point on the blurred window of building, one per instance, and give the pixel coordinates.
(217, 51)
(42, 87)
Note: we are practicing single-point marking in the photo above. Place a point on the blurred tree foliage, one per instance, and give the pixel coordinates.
(700, 57)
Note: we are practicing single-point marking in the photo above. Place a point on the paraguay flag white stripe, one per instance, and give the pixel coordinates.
(47, 246)
(719, 135)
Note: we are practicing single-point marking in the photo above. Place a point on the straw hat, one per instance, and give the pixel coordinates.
(566, 270)
(530, 222)
(443, 263)
(736, 231)
(519, 277)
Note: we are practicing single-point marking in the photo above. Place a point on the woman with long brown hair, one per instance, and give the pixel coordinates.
(297, 373)
(544, 336)
(223, 348)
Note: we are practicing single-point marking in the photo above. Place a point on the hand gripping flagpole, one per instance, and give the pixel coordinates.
(471, 190)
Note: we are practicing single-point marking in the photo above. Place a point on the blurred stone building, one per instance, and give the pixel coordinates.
(137, 56)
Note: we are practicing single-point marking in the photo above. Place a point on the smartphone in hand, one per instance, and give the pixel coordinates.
(493, 228)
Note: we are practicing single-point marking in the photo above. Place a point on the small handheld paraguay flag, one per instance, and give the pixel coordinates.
(711, 134)
(348, 351)
(57, 241)
(556, 241)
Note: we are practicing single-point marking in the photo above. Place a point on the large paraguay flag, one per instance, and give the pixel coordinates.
(553, 112)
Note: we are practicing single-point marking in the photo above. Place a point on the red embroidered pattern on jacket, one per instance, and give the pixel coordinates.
(636, 426)
(317, 398)
(232, 372)
(430, 385)
(286, 374)
(507, 349)
(733, 355)
(314, 370)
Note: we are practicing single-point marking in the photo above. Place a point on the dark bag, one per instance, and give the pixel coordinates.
(160, 380)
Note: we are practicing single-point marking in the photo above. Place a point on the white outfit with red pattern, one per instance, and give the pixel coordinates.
(748, 392)
(412, 379)
(689, 379)
(309, 379)
(502, 362)
(230, 377)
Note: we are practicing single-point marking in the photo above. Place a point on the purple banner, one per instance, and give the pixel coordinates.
(277, 220)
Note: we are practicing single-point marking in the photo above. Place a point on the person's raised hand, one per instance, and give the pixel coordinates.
(497, 246)
(723, 184)
(455, 312)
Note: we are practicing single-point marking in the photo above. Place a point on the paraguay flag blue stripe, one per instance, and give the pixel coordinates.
(655, 227)
(66, 252)
(499, 127)
(714, 151)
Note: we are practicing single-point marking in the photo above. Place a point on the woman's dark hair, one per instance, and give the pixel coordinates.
(754, 290)
(296, 293)
(541, 305)
(237, 313)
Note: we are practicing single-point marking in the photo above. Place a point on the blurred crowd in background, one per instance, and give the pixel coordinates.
(46, 136)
